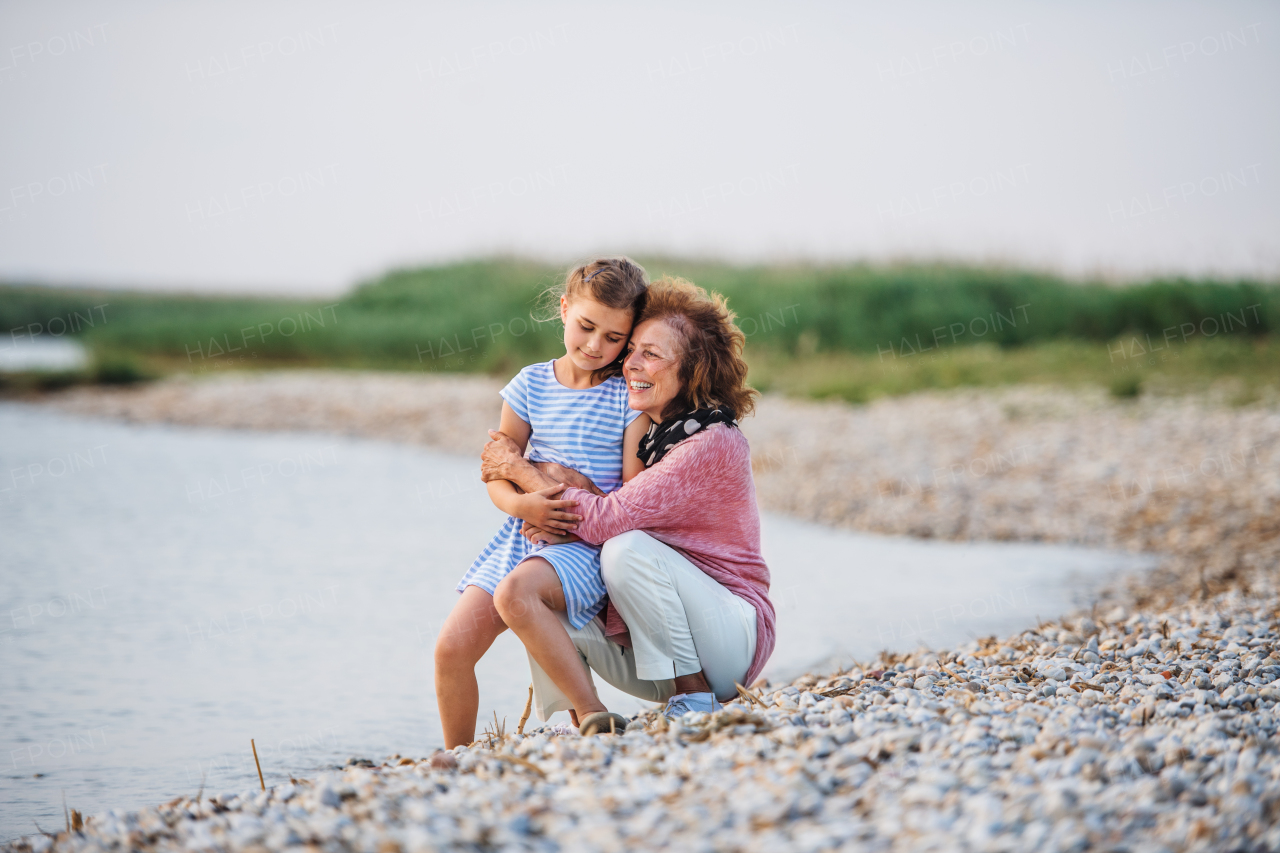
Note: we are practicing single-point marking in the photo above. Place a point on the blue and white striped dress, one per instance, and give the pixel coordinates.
(580, 429)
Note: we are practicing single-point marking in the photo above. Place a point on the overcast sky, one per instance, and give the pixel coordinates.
(303, 147)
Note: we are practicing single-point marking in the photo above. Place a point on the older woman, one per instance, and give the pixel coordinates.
(689, 612)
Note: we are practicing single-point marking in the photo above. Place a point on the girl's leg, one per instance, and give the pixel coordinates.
(470, 630)
(527, 600)
(602, 657)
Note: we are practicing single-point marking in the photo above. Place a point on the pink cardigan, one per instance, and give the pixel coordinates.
(700, 499)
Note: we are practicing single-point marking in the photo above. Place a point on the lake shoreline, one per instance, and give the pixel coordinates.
(1149, 720)
(1128, 730)
(1190, 478)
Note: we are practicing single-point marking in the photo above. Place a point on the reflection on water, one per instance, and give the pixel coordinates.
(168, 594)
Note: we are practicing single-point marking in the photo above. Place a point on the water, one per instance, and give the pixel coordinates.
(45, 355)
(168, 594)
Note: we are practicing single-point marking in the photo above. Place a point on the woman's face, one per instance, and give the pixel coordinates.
(594, 334)
(652, 368)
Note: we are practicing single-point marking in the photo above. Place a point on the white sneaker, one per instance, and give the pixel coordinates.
(682, 703)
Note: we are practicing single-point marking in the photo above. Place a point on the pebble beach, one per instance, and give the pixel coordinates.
(1145, 723)
(1157, 732)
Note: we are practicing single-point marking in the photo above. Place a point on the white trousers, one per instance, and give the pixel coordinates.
(681, 621)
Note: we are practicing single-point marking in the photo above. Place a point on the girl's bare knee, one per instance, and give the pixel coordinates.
(511, 598)
(523, 591)
(457, 649)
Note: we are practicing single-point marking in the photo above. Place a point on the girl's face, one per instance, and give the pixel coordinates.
(594, 334)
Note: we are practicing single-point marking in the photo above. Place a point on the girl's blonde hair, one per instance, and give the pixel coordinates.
(614, 282)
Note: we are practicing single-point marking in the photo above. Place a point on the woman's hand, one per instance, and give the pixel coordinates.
(538, 536)
(498, 456)
(568, 476)
(541, 509)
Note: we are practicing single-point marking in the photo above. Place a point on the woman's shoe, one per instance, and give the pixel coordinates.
(682, 703)
(603, 722)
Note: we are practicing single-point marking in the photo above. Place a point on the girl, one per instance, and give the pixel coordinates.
(573, 412)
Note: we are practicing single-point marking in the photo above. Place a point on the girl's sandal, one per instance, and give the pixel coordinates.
(603, 722)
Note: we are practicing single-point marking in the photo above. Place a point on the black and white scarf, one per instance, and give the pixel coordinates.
(662, 437)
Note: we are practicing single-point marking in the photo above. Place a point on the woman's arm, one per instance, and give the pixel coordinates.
(695, 478)
(631, 463)
(503, 459)
(568, 476)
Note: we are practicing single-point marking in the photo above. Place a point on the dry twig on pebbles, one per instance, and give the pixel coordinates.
(262, 782)
(1148, 728)
(528, 708)
(1117, 730)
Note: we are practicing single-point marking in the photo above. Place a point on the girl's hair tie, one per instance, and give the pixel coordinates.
(594, 274)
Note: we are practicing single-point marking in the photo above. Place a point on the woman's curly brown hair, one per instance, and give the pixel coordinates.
(712, 372)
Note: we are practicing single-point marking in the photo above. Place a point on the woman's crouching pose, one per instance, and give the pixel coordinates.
(573, 415)
(689, 612)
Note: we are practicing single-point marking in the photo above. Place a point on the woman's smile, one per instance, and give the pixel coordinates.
(653, 368)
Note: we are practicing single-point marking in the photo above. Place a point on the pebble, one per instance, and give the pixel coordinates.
(1148, 723)
(979, 750)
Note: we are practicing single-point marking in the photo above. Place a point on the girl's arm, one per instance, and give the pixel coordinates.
(632, 464)
(532, 506)
(504, 493)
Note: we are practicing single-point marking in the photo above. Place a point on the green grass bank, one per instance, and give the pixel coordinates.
(855, 331)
